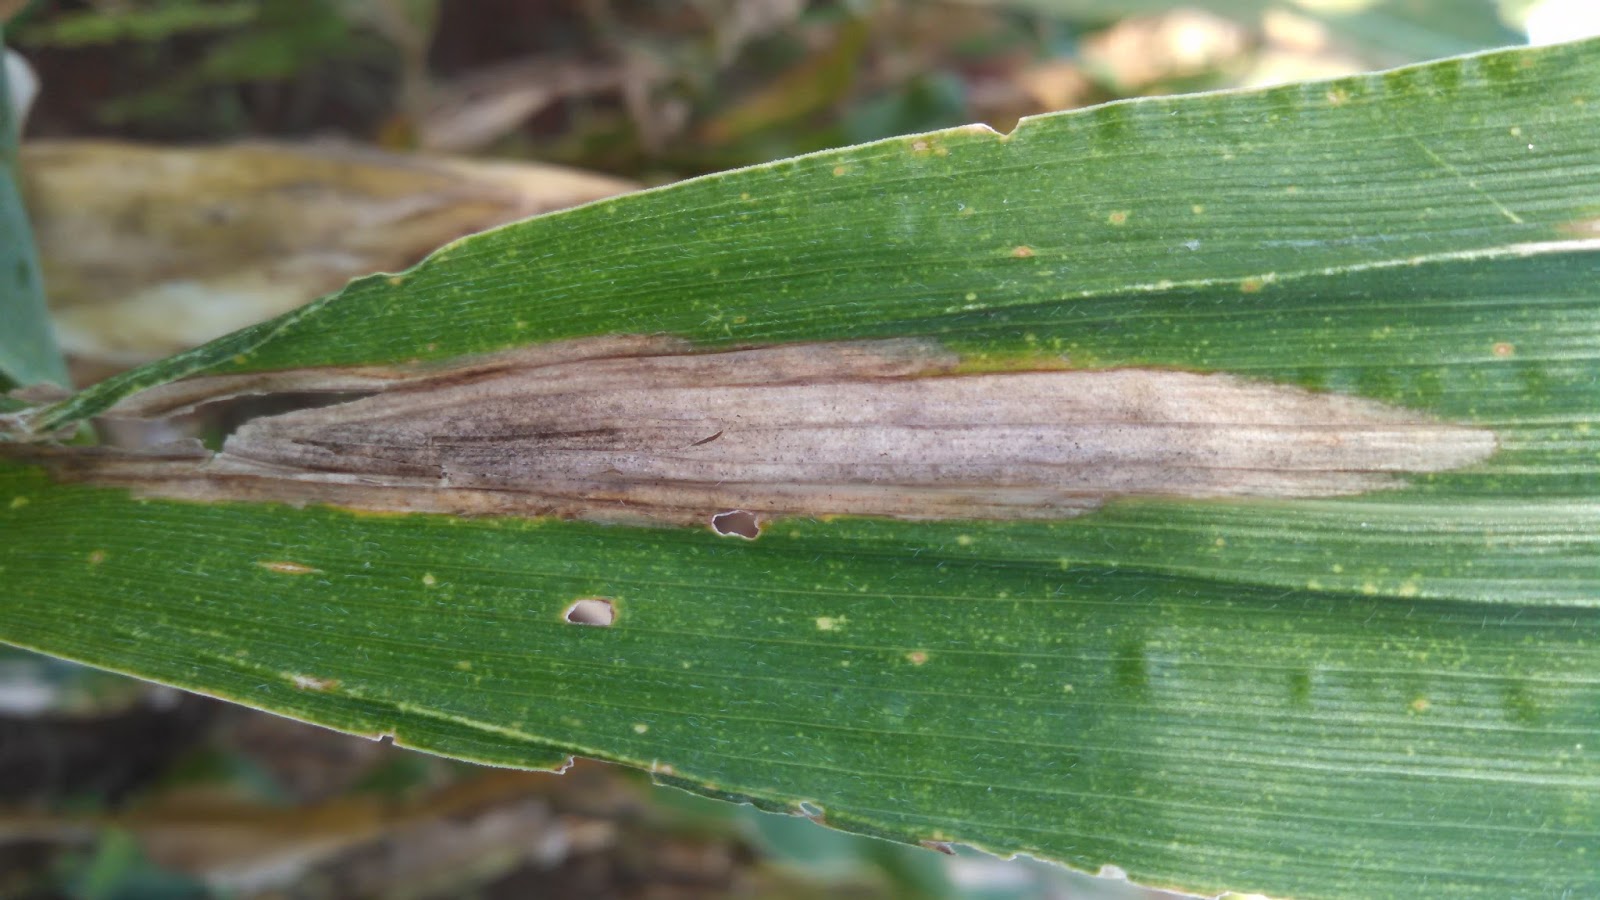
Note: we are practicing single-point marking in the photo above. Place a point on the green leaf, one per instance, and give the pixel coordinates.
(1392, 694)
(112, 25)
(28, 352)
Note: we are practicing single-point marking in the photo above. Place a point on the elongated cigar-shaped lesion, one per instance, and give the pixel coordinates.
(651, 431)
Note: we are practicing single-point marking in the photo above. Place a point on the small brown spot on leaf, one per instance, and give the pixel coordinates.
(1252, 285)
(1022, 251)
(1504, 350)
(597, 611)
(738, 523)
(938, 847)
(96, 557)
(1120, 217)
(916, 657)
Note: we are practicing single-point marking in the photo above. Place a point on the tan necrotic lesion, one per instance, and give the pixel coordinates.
(640, 429)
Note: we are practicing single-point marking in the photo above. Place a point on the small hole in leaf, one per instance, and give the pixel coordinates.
(592, 611)
(737, 522)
